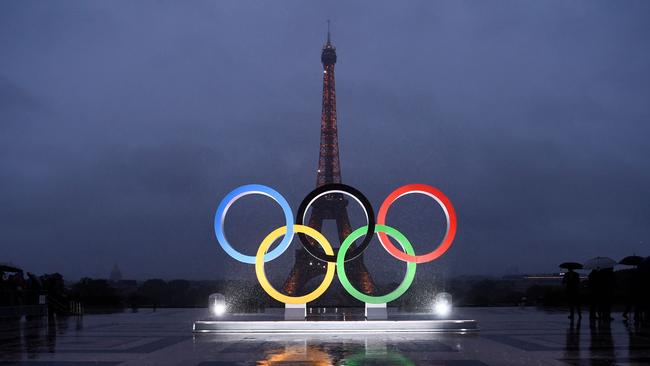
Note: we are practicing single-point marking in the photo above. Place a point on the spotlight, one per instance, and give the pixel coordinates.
(217, 304)
(218, 309)
(442, 308)
(442, 304)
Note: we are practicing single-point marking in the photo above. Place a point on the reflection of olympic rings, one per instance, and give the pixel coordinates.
(328, 254)
(334, 188)
(378, 358)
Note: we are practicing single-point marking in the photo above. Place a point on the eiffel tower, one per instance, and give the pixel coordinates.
(329, 207)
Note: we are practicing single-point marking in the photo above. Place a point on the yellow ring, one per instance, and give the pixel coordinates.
(261, 275)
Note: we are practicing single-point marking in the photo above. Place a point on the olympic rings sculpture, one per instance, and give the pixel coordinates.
(336, 259)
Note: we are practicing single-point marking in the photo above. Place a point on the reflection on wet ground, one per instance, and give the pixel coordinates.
(508, 336)
(31, 337)
(334, 349)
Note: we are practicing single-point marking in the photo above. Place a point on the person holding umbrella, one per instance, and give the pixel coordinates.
(571, 282)
(601, 287)
(634, 287)
(593, 288)
(607, 299)
(644, 285)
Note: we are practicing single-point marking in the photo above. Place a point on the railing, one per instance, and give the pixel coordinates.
(64, 307)
(76, 308)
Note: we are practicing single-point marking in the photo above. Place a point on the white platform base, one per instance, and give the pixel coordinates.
(376, 311)
(361, 326)
(295, 311)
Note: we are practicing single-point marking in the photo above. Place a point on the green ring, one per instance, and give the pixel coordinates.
(410, 266)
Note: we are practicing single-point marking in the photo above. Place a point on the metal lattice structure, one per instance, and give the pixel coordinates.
(332, 206)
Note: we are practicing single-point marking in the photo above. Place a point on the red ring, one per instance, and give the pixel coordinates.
(447, 207)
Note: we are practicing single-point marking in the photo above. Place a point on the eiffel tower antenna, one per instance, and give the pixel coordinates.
(328, 31)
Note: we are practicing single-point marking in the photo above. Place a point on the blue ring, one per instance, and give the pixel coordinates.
(236, 194)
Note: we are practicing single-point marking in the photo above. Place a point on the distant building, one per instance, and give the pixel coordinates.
(116, 274)
(525, 281)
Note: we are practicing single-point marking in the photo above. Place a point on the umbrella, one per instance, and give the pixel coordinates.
(632, 260)
(571, 265)
(600, 263)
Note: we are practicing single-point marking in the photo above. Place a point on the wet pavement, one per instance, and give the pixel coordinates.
(508, 336)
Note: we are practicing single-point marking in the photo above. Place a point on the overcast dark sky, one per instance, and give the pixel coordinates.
(122, 125)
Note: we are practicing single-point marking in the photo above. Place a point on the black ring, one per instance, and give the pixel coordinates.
(336, 188)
